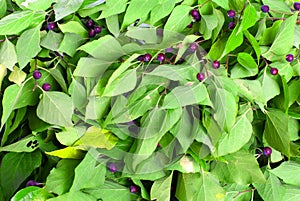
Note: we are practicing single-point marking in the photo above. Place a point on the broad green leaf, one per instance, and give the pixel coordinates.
(235, 40)
(292, 193)
(89, 174)
(207, 25)
(69, 135)
(35, 5)
(294, 91)
(91, 67)
(280, 6)
(113, 26)
(161, 10)
(18, 21)
(287, 171)
(113, 7)
(60, 179)
(249, 18)
(64, 8)
(52, 40)
(56, 108)
(17, 76)
(254, 44)
(149, 35)
(269, 34)
(247, 66)
(96, 138)
(217, 49)
(237, 192)
(269, 85)
(69, 196)
(32, 193)
(221, 19)
(97, 107)
(285, 37)
(68, 152)
(73, 27)
(13, 174)
(160, 189)
(24, 145)
(3, 7)
(178, 19)
(187, 95)
(186, 164)
(78, 95)
(8, 55)
(185, 44)
(276, 131)
(284, 69)
(188, 186)
(222, 3)
(70, 43)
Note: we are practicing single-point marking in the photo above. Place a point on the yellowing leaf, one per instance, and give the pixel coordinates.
(3, 72)
(17, 76)
(68, 152)
(97, 138)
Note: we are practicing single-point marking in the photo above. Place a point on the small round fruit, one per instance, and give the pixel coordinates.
(289, 58)
(92, 33)
(297, 5)
(147, 57)
(231, 25)
(32, 183)
(112, 167)
(195, 14)
(140, 58)
(193, 47)
(51, 25)
(190, 25)
(46, 86)
(216, 64)
(133, 189)
(161, 57)
(267, 151)
(97, 29)
(265, 8)
(37, 74)
(231, 13)
(89, 23)
(200, 76)
(274, 71)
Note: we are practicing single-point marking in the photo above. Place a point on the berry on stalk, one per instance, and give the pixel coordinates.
(297, 5)
(274, 71)
(215, 64)
(147, 57)
(46, 86)
(133, 189)
(161, 57)
(89, 23)
(231, 13)
(112, 167)
(289, 58)
(267, 151)
(97, 29)
(265, 8)
(195, 14)
(51, 25)
(37, 74)
(92, 33)
(193, 47)
(200, 76)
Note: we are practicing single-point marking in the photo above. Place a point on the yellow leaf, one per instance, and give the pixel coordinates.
(3, 72)
(17, 76)
(68, 152)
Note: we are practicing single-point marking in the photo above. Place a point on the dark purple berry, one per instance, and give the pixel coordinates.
(89, 24)
(200, 76)
(37, 74)
(195, 14)
(97, 29)
(289, 58)
(147, 57)
(140, 58)
(112, 167)
(267, 151)
(160, 32)
(51, 25)
(215, 64)
(297, 5)
(231, 25)
(32, 183)
(231, 13)
(133, 189)
(158, 145)
(46, 86)
(265, 8)
(190, 25)
(161, 57)
(193, 47)
(92, 33)
(274, 71)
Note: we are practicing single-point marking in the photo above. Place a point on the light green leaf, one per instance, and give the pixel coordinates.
(91, 67)
(113, 7)
(73, 27)
(52, 40)
(113, 26)
(35, 5)
(222, 3)
(56, 108)
(178, 19)
(8, 55)
(292, 193)
(17, 76)
(254, 44)
(161, 10)
(247, 67)
(64, 8)
(287, 171)
(235, 40)
(69, 135)
(70, 43)
(68, 152)
(3, 73)
(32, 193)
(3, 7)
(160, 189)
(21, 145)
(249, 18)
(69, 196)
(269, 85)
(207, 25)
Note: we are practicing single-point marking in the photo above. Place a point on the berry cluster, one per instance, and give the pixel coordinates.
(93, 29)
(37, 75)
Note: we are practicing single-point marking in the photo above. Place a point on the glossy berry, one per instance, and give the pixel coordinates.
(97, 29)
(200, 76)
(92, 33)
(37, 74)
(215, 64)
(32, 183)
(193, 47)
(89, 23)
(140, 58)
(231, 13)
(265, 8)
(289, 58)
(190, 25)
(274, 71)
(195, 14)
(231, 25)
(297, 5)
(112, 167)
(133, 189)
(161, 57)
(46, 86)
(51, 25)
(147, 57)
(267, 151)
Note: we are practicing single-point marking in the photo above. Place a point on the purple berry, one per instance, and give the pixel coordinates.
(274, 71)
(265, 8)
(193, 47)
(89, 24)
(112, 167)
(51, 25)
(231, 25)
(190, 25)
(32, 183)
(289, 58)
(215, 64)
(231, 13)
(160, 32)
(97, 29)
(46, 86)
(37, 74)
(140, 58)
(297, 5)
(161, 57)
(92, 33)
(200, 76)
(133, 189)
(267, 151)
(195, 14)
(147, 57)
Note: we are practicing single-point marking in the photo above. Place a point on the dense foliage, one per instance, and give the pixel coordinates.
(150, 100)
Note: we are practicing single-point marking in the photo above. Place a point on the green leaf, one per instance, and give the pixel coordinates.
(160, 189)
(287, 171)
(21, 145)
(60, 178)
(70, 134)
(56, 108)
(14, 174)
(34, 4)
(3, 7)
(80, 196)
(113, 7)
(207, 25)
(89, 174)
(237, 192)
(91, 67)
(178, 19)
(64, 8)
(78, 95)
(254, 44)
(73, 27)
(247, 67)
(276, 131)
(97, 107)
(32, 193)
(113, 26)
(235, 40)
(249, 18)
(68, 152)
(52, 40)
(284, 69)
(292, 193)
(70, 43)
(280, 6)
(8, 55)
(222, 3)
(161, 10)
(28, 46)
(17, 76)
(269, 85)
(285, 37)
